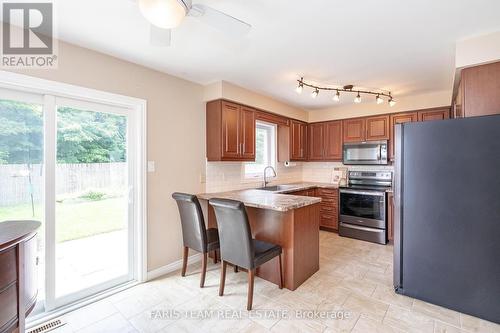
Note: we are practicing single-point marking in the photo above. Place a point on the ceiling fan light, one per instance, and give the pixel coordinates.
(165, 14)
(336, 97)
(357, 100)
(379, 99)
(315, 93)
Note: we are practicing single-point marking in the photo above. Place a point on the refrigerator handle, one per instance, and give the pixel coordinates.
(398, 208)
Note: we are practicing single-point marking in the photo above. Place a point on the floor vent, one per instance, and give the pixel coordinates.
(47, 327)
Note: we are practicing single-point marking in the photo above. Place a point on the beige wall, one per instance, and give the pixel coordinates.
(236, 93)
(176, 134)
(415, 102)
(478, 50)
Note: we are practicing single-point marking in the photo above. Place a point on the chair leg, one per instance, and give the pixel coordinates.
(222, 277)
(184, 260)
(235, 269)
(215, 256)
(204, 258)
(251, 276)
(281, 273)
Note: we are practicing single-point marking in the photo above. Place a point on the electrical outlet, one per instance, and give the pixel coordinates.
(151, 166)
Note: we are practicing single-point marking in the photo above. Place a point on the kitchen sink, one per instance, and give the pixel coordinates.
(278, 188)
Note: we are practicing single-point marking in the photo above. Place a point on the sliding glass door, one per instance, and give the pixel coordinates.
(70, 164)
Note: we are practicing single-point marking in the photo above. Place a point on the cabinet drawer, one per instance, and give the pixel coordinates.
(8, 300)
(7, 267)
(328, 219)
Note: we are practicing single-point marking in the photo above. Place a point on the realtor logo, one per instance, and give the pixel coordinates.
(27, 36)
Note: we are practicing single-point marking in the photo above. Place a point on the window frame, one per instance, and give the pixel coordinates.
(272, 150)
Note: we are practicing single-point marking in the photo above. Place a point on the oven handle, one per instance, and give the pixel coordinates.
(378, 194)
(361, 228)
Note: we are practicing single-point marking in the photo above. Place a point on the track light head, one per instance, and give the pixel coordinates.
(379, 99)
(336, 97)
(392, 102)
(300, 87)
(357, 100)
(315, 93)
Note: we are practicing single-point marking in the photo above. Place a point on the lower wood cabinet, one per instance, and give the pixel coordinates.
(329, 208)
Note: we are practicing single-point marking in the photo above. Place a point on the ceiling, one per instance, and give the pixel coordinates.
(407, 47)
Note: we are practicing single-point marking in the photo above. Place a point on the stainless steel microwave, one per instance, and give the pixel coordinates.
(370, 152)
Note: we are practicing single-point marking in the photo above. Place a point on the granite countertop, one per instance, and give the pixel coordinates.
(266, 199)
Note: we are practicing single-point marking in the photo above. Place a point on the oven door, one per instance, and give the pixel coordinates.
(362, 207)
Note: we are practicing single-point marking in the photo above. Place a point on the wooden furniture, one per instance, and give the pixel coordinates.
(390, 216)
(18, 280)
(478, 91)
(434, 114)
(296, 231)
(366, 129)
(399, 118)
(329, 211)
(230, 132)
(325, 141)
(298, 140)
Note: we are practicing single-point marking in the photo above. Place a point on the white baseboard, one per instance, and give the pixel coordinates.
(163, 270)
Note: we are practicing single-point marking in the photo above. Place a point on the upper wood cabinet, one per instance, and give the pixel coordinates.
(399, 118)
(354, 130)
(325, 141)
(298, 140)
(377, 128)
(434, 114)
(366, 129)
(230, 132)
(478, 93)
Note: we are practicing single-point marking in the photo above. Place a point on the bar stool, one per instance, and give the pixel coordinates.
(194, 233)
(237, 245)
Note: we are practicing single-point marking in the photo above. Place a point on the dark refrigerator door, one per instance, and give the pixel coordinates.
(447, 218)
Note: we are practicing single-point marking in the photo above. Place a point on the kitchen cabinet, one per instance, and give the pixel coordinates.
(434, 114)
(478, 91)
(366, 129)
(390, 216)
(325, 141)
(329, 208)
(399, 118)
(377, 128)
(354, 130)
(298, 140)
(306, 193)
(230, 132)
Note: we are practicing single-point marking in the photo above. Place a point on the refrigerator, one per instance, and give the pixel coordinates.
(447, 214)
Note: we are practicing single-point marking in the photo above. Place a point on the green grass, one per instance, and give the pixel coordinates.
(76, 219)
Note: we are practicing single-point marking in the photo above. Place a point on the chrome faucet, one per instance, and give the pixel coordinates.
(265, 179)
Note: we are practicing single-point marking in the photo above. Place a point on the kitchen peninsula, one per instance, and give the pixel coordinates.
(279, 216)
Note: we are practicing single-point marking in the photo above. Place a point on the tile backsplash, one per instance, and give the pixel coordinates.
(227, 176)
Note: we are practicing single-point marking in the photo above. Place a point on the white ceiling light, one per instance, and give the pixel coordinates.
(315, 93)
(357, 100)
(299, 88)
(392, 102)
(336, 97)
(165, 14)
(379, 99)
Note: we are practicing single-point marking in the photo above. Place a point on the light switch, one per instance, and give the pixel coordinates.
(151, 166)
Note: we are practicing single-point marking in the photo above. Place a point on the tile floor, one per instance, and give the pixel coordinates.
(353, 287)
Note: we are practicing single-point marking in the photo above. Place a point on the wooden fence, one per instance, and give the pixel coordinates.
(15, 185)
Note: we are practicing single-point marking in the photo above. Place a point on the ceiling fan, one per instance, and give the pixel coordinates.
(165, 15)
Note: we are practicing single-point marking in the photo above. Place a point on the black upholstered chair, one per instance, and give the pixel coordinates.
(237, 245)
(194, 233)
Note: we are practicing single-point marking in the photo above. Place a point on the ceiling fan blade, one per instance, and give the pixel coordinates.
(159, 36)
(220, 20)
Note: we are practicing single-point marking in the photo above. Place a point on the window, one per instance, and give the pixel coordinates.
(265, 150)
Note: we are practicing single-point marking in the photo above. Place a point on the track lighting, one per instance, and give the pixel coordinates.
(315, 93)
(379, 94)
(357, 100)
(336, 97)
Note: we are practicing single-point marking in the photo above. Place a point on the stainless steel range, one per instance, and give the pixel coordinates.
(363, 206)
